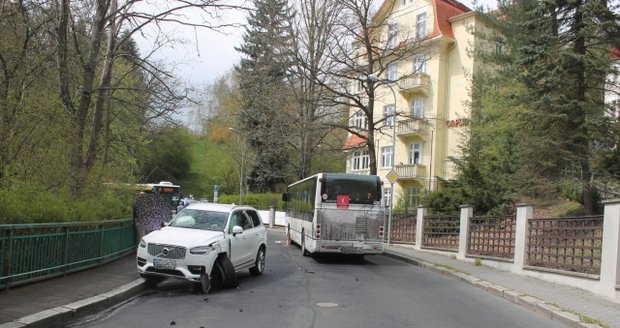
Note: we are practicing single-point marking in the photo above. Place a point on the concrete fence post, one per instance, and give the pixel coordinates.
(610, 255)
(419, 228)
(467, 211)
(524, 213)
(272, 216)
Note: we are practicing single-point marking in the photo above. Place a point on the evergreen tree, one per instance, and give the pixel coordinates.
(262, 81)
(558, 51)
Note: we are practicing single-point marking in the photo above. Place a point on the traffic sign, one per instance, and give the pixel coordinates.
(392, 176)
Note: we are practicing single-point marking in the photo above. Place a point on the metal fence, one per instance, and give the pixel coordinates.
(569, 244)
(404, 228)
(441, 232)
(31, 252)
(492, 237)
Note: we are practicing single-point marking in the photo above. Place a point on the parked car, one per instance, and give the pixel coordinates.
(207, 244)
(184, 202)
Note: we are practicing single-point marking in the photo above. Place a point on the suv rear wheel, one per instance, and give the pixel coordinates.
(259, 263)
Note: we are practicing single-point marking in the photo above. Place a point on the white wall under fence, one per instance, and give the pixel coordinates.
(279, 217)
(602, 278)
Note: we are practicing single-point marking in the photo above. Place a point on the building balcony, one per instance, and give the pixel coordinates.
(412, 127)
(419, 83)
(410, 171)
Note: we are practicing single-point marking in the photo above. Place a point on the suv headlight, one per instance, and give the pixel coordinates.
(199, 250)
(142, 243)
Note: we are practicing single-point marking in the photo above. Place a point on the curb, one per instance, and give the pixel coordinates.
(59, 316)
(532, 303)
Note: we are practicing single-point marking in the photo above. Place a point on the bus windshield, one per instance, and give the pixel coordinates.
(360, 189)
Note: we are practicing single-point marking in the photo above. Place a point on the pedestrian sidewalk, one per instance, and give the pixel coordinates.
(54, 302)
(576, 307)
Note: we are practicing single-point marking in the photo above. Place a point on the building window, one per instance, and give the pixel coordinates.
(417, 107)
(419, 64)
(388, 115)
(615, 109)
(420, 26)
(386, 157)
(387, 195)
(500, 46)
(361, 160)
(415, 153)
(392, 35)
(358, 86)
(390, 72)
(360, 120)
(411, 196)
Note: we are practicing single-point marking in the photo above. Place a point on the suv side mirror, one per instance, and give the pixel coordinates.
(237, 230)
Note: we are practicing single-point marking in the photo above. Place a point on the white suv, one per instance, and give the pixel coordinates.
(205, 243)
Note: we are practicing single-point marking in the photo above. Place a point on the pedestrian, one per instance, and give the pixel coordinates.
(152, 211)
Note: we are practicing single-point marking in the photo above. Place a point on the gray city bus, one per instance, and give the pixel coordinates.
(336, 213)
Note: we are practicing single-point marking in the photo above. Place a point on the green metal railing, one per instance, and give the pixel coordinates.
(31, 252)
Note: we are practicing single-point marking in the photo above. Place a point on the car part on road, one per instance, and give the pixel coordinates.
(151, 281)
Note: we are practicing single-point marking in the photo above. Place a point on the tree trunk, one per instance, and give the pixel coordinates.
(103, 93)
(77, 165)
(582, 140)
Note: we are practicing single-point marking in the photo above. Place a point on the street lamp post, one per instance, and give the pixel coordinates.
(392, 175)
(241, 166)
(393, 167)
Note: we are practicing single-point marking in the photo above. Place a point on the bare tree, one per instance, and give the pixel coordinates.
(316, 23)
(24, 67)
(363, 47)
(80, 43)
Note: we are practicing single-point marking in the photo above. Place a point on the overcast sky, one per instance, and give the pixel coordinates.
(200, 56)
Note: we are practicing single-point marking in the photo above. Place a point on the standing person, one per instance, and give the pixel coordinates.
(137, 205)
(180, 206)
(152, 211)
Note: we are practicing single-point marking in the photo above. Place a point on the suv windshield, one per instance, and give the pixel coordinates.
(200, 219)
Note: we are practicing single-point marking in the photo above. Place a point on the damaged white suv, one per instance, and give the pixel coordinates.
(207, 244)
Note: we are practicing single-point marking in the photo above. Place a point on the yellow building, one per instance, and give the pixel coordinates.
(430, 94)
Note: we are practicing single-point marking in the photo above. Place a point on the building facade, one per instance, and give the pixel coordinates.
(423, 110)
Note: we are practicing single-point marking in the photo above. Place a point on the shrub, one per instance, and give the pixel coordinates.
(258, 201)
(26, 203)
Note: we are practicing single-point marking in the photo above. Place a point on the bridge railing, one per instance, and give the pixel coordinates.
(32, 252)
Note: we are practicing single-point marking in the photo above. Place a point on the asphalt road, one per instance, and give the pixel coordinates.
(323, 292)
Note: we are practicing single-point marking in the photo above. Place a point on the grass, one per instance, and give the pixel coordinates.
(582, 318)
(449, 268)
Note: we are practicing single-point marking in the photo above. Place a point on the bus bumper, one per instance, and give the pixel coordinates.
(350, 247)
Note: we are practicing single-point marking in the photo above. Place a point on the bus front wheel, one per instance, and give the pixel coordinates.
(288, 235)
(304, 251)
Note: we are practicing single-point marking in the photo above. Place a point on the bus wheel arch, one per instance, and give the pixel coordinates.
(304, 251)
(288, 234)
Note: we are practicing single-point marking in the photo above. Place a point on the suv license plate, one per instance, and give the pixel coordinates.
(164, 264)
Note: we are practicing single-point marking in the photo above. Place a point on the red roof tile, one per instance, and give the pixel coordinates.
(354, 141)
(445, 9)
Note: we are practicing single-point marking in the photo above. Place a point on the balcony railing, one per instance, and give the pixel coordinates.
(410, 171)
(416, 84)
(411, 127)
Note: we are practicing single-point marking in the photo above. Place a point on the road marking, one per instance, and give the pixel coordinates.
(327, 305)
